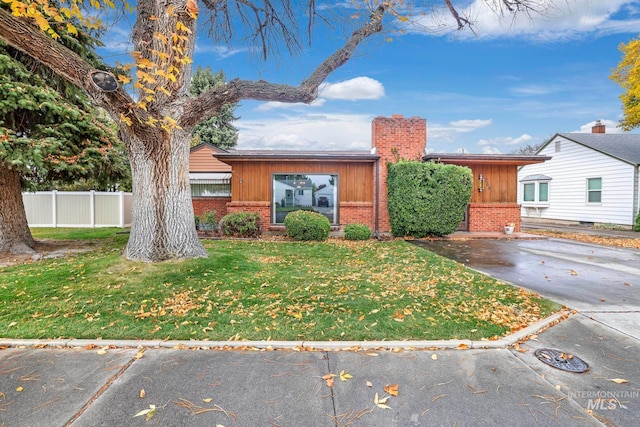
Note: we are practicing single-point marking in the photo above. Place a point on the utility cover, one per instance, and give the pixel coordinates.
(562, 360)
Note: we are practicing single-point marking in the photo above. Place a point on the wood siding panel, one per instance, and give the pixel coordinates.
(500, 184)
(251, 181)
(569, 169)
(202, 160)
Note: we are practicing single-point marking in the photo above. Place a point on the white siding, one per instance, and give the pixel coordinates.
(569, 170)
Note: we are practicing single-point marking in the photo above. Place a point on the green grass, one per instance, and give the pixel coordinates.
(257, 290)
(76, 233)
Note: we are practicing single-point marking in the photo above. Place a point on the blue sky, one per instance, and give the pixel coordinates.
(514, 83)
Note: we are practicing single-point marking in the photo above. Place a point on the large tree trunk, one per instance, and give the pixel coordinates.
(15, 235)
(162, 223)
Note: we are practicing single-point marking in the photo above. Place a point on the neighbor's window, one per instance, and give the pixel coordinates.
(535, 189)
(594, 190)
(529, 192)
(294, 191)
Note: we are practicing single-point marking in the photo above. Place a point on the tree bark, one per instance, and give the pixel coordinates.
(162, 223)
(15, 235)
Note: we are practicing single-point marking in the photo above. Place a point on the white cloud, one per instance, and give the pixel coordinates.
(506, 140)
(471, 124)
(611, 127)
(531, 89)
(297, 106)
(353, 89)
(557, 20)
(219, 50)
(491, 150)
(306, 132)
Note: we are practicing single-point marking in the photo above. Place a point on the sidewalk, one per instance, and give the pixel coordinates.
(97, 386)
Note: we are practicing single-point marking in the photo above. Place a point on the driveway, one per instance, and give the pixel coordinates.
(601, 282)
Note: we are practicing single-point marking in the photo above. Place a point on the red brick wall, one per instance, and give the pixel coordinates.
(493, 216)
(262, 208)
(395, 138)
(203, 204)
(357, 213)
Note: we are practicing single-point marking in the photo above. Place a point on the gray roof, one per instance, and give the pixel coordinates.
(625, 146)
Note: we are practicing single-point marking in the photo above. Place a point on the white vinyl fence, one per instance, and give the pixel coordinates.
(86, 209)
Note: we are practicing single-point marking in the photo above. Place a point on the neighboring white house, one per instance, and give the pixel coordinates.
(292, 192)
(590, 179)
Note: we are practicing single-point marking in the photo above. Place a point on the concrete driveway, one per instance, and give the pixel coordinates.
(601, 282)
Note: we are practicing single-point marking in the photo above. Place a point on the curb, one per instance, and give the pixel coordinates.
(508, 341)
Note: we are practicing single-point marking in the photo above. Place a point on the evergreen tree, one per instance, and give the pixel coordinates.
(218, 130)
(49, 134)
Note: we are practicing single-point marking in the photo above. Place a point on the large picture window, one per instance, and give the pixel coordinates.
(315, 192)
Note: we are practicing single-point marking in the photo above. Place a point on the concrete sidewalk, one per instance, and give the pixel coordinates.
(96, 386)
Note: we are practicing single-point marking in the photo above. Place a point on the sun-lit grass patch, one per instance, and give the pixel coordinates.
(280, 290)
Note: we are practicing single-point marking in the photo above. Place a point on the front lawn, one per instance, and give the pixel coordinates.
(262, 289)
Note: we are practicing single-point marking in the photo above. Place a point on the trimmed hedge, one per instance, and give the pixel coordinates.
(241, 224)
(306, 225)
(357, 232)
(636, 226)
(427, 199)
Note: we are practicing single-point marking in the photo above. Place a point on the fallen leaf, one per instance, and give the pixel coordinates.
(392, 389)
(574, 273)
(381, 403)
(329, 379)
(344, 376)
(148, 412)
(462, 346)
(139, 354)
(19, 389)
(369, 384)
(619, 380)
(434, 357)
(627, 284)
(207, 400)
(102, 351)
(142, 394)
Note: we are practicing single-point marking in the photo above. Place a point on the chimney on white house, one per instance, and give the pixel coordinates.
(598, 127)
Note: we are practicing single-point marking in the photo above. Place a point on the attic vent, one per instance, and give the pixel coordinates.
(558, 146)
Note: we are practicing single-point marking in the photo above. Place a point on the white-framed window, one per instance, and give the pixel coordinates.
(594, 190)
(535, 190)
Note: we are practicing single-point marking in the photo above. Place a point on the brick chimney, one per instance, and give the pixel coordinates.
(598, 127)
(395, 138)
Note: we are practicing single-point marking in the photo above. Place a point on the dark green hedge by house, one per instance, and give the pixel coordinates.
(427, 199)
(636, 226)
(306, 225)
(357, 232)
(241, 224)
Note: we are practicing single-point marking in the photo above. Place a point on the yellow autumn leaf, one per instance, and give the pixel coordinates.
(142, 394)
(207, 400)
(434, 357)
(19, 389)
(344, 376)
(619, 380)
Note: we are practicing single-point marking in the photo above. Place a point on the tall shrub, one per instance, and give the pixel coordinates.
(306, 225)
(427, 199)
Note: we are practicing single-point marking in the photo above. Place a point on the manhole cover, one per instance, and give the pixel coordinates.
(562, 360)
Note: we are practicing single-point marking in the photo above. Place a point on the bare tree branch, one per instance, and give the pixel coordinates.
(209, 103)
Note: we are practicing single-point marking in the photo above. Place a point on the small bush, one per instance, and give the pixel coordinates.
(197, 221)
(241, 224)
(305, 225)
(636, 226)
(357, 232)
(208, 220)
